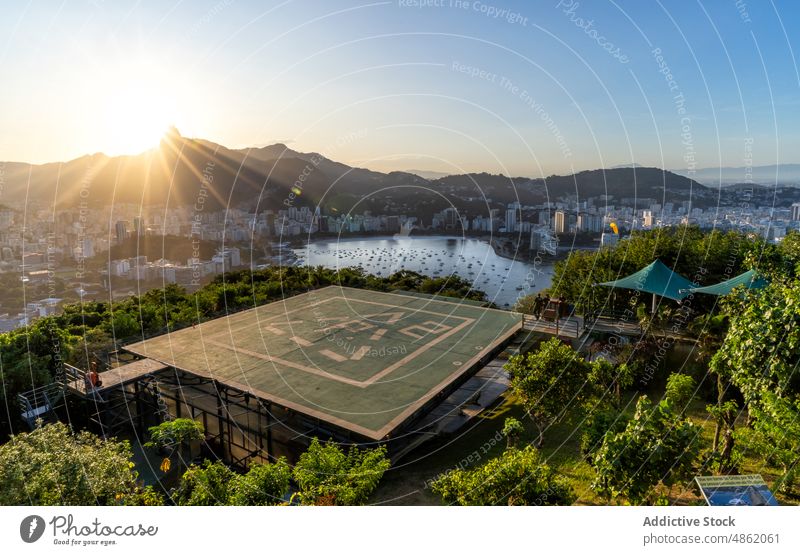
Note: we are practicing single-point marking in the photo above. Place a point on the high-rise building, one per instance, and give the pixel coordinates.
(544, 218)
(511, 218)
(122, 231)
(537, 239)
(590, 223)
(227, 258)
(450, 218)
(796, 212)
(87, 247)
(560, 222)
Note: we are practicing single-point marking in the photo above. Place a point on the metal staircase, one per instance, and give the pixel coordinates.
(41, 403)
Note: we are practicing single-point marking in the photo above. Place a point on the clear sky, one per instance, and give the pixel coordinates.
(521, 88)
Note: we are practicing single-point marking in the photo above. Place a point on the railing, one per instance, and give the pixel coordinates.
(613, 321)
(614, 314)
(75, 378)
(569, 326)
(40, 402)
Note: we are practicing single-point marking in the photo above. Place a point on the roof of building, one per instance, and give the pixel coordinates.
(361, 360)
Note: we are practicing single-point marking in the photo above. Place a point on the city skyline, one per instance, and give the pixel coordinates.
(455, 87)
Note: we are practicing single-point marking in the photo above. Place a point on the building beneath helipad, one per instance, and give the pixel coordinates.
(352, 365)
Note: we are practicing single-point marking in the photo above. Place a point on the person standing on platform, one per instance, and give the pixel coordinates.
(537, 306)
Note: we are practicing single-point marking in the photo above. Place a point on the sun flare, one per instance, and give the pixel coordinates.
(136, 118)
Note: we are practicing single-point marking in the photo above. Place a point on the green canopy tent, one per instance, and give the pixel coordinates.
(749, 280)
(657, 279)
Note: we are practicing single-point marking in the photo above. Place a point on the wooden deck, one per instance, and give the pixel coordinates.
(619, 327)
(570, 327)
(119, 376)
(575, 326)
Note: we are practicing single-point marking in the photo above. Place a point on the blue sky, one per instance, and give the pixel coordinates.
(522, 88)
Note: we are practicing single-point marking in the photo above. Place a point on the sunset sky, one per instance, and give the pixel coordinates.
(537, 89)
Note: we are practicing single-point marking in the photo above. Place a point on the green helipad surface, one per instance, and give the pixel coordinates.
(361, 360)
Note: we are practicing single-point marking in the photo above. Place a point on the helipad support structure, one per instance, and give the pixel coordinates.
(351, 364)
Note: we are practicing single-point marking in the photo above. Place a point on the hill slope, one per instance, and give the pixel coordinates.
(176, 172)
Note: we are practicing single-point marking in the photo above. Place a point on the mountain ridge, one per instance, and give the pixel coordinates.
(175, 172)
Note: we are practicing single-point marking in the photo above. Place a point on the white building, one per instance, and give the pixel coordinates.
(511, 219)
(609, 239)
(119, 267)
(647, 218)
(560, 222)
(227, 258)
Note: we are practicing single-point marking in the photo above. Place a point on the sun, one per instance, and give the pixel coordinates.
(136, 117)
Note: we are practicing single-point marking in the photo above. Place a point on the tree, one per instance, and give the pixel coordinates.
(778, 262)
(656, 447)
(205, 485)
(595, 427)
(525, 305)
(326, 475)
(760, 356)
(710, 331)
(680, 390)
(724, 415)
(175, 434)
(549, 381)
(53, 466)
(29, 357)
(215, 484)
(611, 378)
(512, 429)
(762, 347)
(777, 427)
(683, 248)
(264, 484)
(517, 477)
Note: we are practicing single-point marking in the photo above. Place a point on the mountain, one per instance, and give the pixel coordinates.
(181, 171)
(428, 174)
(619, 183)
(626, 182)
(781, 174)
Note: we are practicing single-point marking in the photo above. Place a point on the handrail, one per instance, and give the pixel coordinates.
(559, 327)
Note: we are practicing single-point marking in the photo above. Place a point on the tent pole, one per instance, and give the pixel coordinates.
(653, 308)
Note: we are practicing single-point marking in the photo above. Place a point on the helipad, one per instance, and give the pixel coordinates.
(361, 360)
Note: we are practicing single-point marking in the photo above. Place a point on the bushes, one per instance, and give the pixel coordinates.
(549, 381)
(328, 476)
(325, 475)
(680, 390)
(596, 426)
(216, 484)
(53, 466)
(264, 484)
(205, 485)
(517, 477)
(655, 447)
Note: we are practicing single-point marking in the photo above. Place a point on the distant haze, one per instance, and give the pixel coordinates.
(781, 174)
